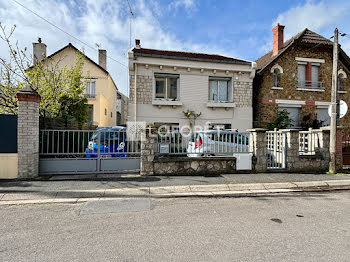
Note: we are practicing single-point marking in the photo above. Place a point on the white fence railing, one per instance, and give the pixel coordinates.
(206, 143)
(309, 142)
(276, 149)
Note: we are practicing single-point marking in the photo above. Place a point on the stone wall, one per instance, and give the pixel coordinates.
(144, 89)
(265, 107)
(242, 93)
(190, 166)
(148, 147)
(318, 162)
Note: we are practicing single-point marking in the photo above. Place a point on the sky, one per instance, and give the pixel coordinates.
(234, 28)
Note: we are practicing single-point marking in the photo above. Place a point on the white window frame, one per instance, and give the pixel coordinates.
(166, 95)
(228, 91)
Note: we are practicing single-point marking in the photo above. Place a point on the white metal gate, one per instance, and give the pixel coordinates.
(276, 150)
(87, 151)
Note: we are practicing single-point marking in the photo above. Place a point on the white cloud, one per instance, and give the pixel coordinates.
(318, 17)
(105, 22)
(321, 17)
(187, 4)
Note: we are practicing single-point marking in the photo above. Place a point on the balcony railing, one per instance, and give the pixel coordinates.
(317, 85)
(90, 95)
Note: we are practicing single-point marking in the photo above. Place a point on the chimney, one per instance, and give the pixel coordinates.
(102, 58)
(138, 43)
(277, 33)
(39, 51)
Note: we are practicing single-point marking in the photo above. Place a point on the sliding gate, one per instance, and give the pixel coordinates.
(276, 150)
(85, 151)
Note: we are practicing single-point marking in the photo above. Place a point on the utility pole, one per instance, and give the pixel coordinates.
(333, 135)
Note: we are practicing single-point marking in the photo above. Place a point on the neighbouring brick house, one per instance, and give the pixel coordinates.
(171, 82)
(297, 76)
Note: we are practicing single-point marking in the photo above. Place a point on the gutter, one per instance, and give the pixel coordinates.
(193, 59)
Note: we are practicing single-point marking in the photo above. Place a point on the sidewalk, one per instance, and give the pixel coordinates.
(82, 188)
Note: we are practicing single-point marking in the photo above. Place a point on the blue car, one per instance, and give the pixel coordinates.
(112, 142)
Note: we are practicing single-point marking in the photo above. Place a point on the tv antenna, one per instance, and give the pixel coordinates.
(130, 20)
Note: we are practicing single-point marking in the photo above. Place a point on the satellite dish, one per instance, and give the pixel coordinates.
(343, 109)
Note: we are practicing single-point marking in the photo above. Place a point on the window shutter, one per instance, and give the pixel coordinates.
(308, 74)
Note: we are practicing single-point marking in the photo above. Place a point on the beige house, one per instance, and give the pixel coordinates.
(101, 91)
(165, 84)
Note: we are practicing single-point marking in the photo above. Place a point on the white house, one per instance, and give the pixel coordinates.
(169, 83)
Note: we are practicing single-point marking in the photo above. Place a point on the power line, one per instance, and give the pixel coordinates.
(52, 24)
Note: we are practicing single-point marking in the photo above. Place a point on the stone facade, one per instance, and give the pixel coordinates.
(28, 134)
(148, 147)
(258, 144)
(242, 94)
(265, 106)
(194, 166)
(144, 89)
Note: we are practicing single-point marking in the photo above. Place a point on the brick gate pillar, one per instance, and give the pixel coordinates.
(28, 133)
(258, 147)
(148, 147)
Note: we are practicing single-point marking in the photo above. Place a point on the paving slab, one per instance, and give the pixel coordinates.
(205, 188)
(126, 192)
(170, 189)
(311, 184)
(338, 182)
(279, 185)
(252, 186)
(28, 196)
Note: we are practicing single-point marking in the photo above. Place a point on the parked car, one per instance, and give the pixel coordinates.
(112, 142)
(216, 142)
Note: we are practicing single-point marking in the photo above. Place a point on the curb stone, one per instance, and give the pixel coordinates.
(217, 190)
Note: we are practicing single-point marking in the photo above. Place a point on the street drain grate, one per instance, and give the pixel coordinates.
(115, 206)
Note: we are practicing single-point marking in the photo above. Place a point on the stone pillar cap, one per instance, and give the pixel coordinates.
(290, 130)
(257, 130)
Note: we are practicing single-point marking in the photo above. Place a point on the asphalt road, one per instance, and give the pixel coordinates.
(295, 227)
